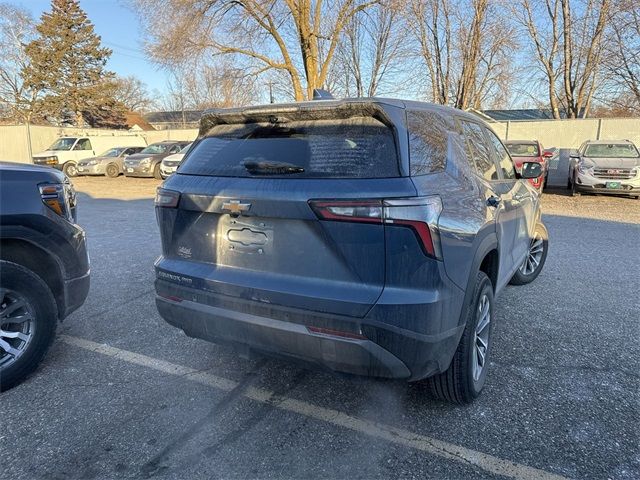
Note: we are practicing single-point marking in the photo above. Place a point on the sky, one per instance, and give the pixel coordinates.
(118, 26)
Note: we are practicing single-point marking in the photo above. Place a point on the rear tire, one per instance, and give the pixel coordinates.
(156, 172)
(23, 295)
(462, 382)
(112, 170)
(70, 169)
(537, 255)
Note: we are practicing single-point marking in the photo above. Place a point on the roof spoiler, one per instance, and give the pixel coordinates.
(321, 94)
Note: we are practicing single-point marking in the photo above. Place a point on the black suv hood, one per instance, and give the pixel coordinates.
(9, 170)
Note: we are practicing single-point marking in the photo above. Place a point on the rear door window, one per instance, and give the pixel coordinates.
(358, 147)
(478, 151)
(428, 142)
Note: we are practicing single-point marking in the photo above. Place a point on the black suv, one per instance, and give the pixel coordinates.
(44, 267)
(368, 236)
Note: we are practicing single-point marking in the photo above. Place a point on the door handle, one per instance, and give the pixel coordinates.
(493, 201)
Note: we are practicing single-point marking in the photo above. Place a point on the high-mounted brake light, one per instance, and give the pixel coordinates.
(167, 198)
(418, 213)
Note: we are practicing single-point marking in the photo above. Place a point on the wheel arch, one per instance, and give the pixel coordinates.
(40, 262)
(486, 259)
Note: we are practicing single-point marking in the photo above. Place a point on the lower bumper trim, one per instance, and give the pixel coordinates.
(281, 338)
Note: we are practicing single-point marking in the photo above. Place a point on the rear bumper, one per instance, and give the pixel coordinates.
(378, 351)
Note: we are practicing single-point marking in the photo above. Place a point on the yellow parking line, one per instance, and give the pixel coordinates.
(389, 433)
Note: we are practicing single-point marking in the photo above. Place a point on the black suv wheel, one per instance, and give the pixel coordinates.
(28, 318)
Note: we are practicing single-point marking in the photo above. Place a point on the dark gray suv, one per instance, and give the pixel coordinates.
(368, 236)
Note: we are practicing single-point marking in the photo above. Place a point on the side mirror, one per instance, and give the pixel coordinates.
(531, 170)
(547, 154)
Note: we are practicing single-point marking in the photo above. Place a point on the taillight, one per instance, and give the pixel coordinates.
(367, 211)
(167, 198)
(59, 197)
(418, 213)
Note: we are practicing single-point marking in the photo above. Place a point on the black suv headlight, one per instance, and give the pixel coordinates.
(61, 198)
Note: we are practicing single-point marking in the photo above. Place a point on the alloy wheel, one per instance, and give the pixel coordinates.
(17, 326)
(481, 336)
(534, 257)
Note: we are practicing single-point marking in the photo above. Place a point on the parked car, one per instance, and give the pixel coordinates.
(66, 152)
(109, 163)
(606, 166)
(530, 151)
(367, 236)
(171, 163)
(147, 162)
(44, 267)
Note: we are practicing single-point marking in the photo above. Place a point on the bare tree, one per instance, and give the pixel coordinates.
(582, 46)
(545, 40)
(371, 54)
(17, 28)
(465, 46)
(298, 37)
(622, 57)
(132, 93)
(567, 37)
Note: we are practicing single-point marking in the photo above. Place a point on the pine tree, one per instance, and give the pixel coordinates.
(67, 63)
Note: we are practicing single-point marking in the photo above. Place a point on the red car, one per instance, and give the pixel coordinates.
(529, 151)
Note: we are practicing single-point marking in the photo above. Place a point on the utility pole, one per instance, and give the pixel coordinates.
(271, 92)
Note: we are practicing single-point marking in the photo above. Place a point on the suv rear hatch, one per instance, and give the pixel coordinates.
(262, 210)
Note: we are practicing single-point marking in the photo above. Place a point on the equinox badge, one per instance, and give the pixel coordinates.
(234, 207)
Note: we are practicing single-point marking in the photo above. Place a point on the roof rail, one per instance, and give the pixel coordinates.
(321, 94)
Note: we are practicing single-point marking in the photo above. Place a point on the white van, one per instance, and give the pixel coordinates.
(65, 153)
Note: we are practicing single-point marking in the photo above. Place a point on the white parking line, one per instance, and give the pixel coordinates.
(389, 433)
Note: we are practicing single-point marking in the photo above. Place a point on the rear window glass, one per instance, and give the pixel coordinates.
(359, 147)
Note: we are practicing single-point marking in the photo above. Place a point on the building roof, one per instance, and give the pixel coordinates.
(523, 114)
(190, 116)
(134, 120)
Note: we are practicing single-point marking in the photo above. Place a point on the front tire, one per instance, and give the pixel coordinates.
(537, 255)
(112, 170)
(70, 169)
(156, 172)
(463, 381)
(28, 320)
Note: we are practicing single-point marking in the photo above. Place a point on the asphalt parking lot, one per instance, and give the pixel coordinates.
(124, 395)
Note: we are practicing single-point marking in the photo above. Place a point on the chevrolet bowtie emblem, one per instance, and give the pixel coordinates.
(234, 207)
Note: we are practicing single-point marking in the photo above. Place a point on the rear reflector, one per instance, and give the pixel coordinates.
(171, 297)
(336, 333)
(418, 213)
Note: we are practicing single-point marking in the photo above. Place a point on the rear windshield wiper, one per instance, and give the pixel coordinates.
(272, 168)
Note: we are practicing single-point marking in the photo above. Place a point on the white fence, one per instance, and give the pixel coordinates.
(15, 140)
(18, 142)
